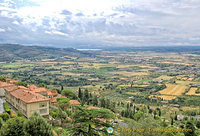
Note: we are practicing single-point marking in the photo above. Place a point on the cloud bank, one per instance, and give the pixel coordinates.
(74, 23)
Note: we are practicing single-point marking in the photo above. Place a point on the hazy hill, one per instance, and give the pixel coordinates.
(9, 52)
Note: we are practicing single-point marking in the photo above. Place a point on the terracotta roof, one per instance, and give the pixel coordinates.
(53, 99)
(74, 102)
(42, 89)
(52, 92)
(11, 88)
(11, 80)
(28, 96)
(32, 87)
(69, 119)
(4, 84)
(92, 107)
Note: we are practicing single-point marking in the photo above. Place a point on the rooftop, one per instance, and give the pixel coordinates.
(11, 80)
(4, 84)
(93, 107)
(42, 89)
(28, 96)
(74, 102)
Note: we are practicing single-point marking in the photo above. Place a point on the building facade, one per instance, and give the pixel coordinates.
(26, 101)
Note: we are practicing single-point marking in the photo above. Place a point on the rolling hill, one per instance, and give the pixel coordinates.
(10, 52)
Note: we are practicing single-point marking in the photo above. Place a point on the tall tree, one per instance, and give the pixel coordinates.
(102, 102)
(172, 121)
(80, 95)
(154, 114)
(61, 87)
(37, 126)
(86, 95)
(84, 119)
(63, 102)
(68, 93)
(95, 101)
(191, 127)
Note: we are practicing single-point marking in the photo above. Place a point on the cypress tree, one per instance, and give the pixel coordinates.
(80, 95)
(159, 113)
(103, 103)
(154, 114)
(61, 88)
(95, 101)
(86, 95)
(172, 121)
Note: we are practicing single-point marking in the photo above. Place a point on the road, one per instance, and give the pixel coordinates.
(1, 105)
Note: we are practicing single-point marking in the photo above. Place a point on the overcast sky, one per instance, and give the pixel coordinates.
(100, 22)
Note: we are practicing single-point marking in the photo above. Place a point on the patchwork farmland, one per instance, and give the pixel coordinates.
(174, 90)
(192, 91)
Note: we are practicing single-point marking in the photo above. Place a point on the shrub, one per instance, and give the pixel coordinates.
(5, 116)
(7, 107)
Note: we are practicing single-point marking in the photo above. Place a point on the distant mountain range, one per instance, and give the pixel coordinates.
(9, 52)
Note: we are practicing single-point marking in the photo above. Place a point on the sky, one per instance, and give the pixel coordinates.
(95, 23)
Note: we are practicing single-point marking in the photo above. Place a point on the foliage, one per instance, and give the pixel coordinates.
(1, 122)
(5, 116)
(7, 107)
(21, 84)
(88, 122)
(63, 102)
(2, 79)
(13, 127)
(138, 115)
(190, 126)
(80, 95)
(19, 114)
(42, 85)
(37, 126)
(198, 124)
(68, 93)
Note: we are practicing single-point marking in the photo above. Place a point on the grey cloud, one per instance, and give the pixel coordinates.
(79, 14)
(66, 12)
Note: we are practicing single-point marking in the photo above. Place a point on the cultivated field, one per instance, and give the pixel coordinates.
(192, 91)
(173, 90)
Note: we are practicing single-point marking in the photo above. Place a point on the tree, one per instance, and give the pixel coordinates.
(37, 126)
(172, 121)
(1, 122)
(86, 95)
(61, 88)
(138, 115)
(5, 116)
(191, 127)
(61, 114)
(88, 122)
(159, 113)
(80, 95)
(13, 127)
(175, 117)
(95, 101)
(102, 102)
(154, 114)
(3, 79)
(107, 103)
(42, 85)
(68, 93)
(198, 124)
(21, 84)
(63, 102)
(128, 106)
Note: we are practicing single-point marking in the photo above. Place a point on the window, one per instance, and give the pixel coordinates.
(43, 104)
(42, 111)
